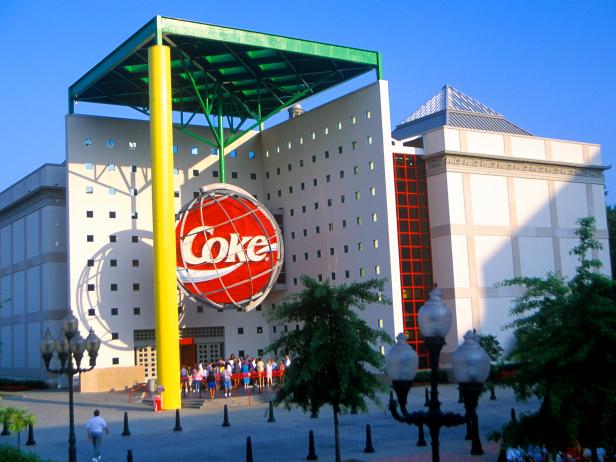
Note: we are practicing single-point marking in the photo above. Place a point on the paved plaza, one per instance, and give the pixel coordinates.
(203, 437)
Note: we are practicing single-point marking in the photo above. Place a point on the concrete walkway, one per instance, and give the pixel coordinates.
(203, 438)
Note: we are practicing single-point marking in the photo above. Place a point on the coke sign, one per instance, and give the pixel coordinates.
(228, 247)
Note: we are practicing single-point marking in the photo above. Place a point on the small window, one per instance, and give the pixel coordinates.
(315, 182)
(111, 167)
(133, 191)
(303, 209)
(326, 131)
(294, 281)
(215, 173)
(362, 272)
(134, 215)
(89, 213)
(313, 135)
(290, 189)
(346, 248)
(110, 143)
(302, 186)
(277, 149)
(353, 120)
(305, 232)
(240, 331)
(314, 159)
(199, 308)
(289, 145)
(111, 191)
(332, 251)
(112, 214)
(253, 176)
(176, 193)
(371, 165)
(195, 172)
(358, 220)
(344, 223)
(368, 115)
(234, 175)
(347, 274)
(360, 246)
(135, 286)
(342, 199)
(268, 195)
(132, 145)
(136, 311)
(114, 287)
(175, 149)
(373, 191)
(375, 243)
(369, 139)
(380, 324)
(90, 262)
(339, 125)
(374, 217)
(135, 263)
(278, 171)
(292, 234)
(267, 153)
(332, 276)
(279, 192)
(133, 168)
(89, 189)
(274, 329)
(316, 206)
(301, 140)
(115, 361)
(317, 229)
(330, 226)
(260, 331)
(176, 172)
(341, 173)
(89, 166)
(319, 254)
(87, 142)
(194, 150)
(320, 278)
(113, 262)
(301, 162)
(90, 238)
(266, 174)
(91, 288)
(291, 212)
(339, 149)
(91, 312)
(382, 350)
(329, 202)
(233, 154)
(135, 239)
(328, 178)
(114, 311)
(355, 170)
(112, 238)
(251, 154)
(294, 258)
(305, 255)
(353, 145)
(327, 154)
(289, 167)
(357, 195)
(377, 269)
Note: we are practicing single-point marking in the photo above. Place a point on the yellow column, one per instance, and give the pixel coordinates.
(165, 292)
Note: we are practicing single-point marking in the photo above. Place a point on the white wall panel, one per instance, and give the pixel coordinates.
(567, 152)
(527, 148)
(570, 203)
(455, 195)
(54, 223)
(33, 289)
(464, 317)
(532, 202)
(536, 256)
(494, 315)
(434, 141)
(494, 258)
(19, 292)
(437, 199)
(460, 260)
(568, 262)
(19, 345)
(485, 143)
(34, 336)
(452, 139)
(598, 195)
(490, 200)
(33, 232)
(18, 230)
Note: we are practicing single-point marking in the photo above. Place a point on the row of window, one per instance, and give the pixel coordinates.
(332, 251)
(361, 271)
(115, 311)
(330, 226)
(114, 287)
(112, 238)
(113, 262)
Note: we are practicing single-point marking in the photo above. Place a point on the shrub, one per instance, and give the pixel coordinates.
(12, 454)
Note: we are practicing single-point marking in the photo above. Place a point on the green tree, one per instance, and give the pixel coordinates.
(565, 332)
(495, 351)
(331, 351)
(16, 419)
(611, 229)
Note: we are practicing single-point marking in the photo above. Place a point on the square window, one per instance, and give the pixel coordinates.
(374, 217)
(136, 286)
(330, 226)
(251, 154)
(373, 191)
(112, 238)
(113, 262)
(315, 182)
(328, 178)
(111, 191)
(339, 149)
(111, 167)
(89, 189)
(136, 311)
(362, 272)
(320, 278)
(135, 263)
(89, 213)
(289, 167)
(90, 238)
(199, 308)
(194, 150)
(333, 276)
(317, 230)
(132, 145)
(346, 248)
(115, 361)
(260, 331)
(301, 162)
(234, 175)
(175, 149)
(369, 139)
(133, 168)
(215, 173)
(114, 311)
(355, 170)
(253, 176)
(90, 262)
(89, 166)
(91, 312)
(371, 165)
(332, 251)
(233, 154)
(240, 331)
(294, 258)
(135, 239)
(347, 274)
(344, 223)
(341, 173)
(318, 254)
(195, 172)
(112, 214)
(114, 287)
(327, 154)
(375, 243)
(176, 193)
(91, 288)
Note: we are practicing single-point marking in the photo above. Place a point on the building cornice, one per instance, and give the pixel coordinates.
(446, 161)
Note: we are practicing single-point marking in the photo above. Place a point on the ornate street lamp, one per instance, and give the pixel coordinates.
(434, 320)
(70, 347)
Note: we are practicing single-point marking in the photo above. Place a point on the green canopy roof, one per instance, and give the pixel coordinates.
(251, 75)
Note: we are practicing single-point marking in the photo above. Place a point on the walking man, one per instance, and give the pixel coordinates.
(95, 428)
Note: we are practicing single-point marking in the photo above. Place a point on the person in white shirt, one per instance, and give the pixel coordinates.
(95, 428)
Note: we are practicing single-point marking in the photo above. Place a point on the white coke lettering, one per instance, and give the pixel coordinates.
(236, 249)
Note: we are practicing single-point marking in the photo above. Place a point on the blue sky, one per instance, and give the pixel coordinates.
(548, 66)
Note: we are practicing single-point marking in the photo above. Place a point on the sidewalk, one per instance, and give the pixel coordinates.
(204, 438)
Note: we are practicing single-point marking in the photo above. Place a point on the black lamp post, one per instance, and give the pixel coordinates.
(434, 320)
(70, 347)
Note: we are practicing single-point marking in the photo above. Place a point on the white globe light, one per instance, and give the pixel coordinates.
(401, 361)
(471, 364)
(434, 317)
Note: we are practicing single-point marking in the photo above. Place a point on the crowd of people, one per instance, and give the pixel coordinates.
(233, 373)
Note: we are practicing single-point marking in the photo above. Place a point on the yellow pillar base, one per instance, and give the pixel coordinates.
(165, 291)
